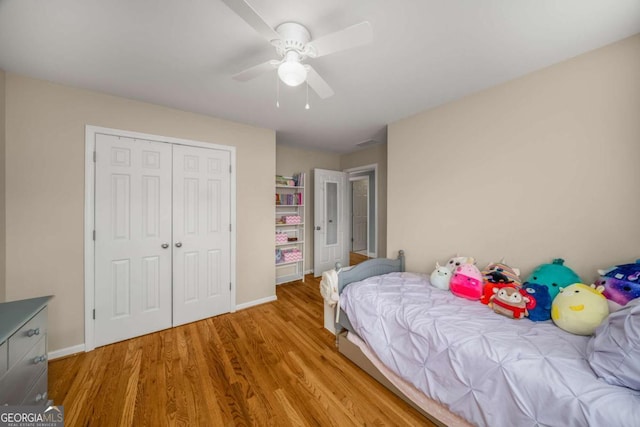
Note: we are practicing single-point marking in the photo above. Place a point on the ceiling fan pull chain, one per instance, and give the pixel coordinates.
(277, 91)
(306, 107)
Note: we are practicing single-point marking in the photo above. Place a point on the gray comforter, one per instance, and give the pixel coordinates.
(489, 369)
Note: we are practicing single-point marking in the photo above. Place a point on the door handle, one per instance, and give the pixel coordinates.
(178, 244)
(164, 245)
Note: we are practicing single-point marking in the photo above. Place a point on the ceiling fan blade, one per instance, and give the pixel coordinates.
(255, 71)
(248, 13)
(318, 84)
(353, 36)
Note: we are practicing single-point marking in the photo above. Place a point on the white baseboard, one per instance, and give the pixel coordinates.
(56, 354)
(256, 302)
(308, 272)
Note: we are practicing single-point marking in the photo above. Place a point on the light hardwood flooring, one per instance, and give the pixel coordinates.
(356, 258)
(271, 365)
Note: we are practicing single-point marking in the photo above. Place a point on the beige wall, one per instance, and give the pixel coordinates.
(290, 160)
(3, 241)
(45, 143)
(544, 166)
(376, 154)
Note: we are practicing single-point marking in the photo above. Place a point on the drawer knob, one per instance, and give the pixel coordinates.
(39, 359)
(41, 396)
(32, 332)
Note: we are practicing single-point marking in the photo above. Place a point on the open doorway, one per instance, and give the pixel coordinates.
(363, 206)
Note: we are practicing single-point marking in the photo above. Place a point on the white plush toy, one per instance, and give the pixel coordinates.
(440, 277)
(457, 261)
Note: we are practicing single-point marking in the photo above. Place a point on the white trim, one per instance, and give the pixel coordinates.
(89, 215)
(372, 167)
(353, 179)
(57, 354)
(256, 302)
(89, 224)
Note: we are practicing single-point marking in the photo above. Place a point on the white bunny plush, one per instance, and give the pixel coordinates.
(440, 277)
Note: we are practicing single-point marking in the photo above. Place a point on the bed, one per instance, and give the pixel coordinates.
(459, 363)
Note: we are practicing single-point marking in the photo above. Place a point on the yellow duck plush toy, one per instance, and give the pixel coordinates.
(579, 308)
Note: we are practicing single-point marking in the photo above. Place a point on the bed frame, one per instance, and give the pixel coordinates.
(369, 268)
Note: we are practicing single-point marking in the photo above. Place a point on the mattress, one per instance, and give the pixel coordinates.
(486, 368)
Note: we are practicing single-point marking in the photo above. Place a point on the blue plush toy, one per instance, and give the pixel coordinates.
(542, 310)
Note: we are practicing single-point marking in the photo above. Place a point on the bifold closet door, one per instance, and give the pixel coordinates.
(201, 233)
(133, 238)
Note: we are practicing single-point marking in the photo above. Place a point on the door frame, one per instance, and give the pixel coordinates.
(372, 252)
(89, 214)
(352, 180)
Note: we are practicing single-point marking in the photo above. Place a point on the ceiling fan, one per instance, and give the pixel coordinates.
(293, 44)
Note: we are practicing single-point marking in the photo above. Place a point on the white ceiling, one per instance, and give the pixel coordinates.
(182, 53)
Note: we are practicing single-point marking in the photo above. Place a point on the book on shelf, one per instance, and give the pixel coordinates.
(287, 181)
(289, 199)
(296, 180)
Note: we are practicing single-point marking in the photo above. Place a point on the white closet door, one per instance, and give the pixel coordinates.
(201, 234)
(133, 224)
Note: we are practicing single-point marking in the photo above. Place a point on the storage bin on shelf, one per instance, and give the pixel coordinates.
(292, 255)
(288, 255)
(281, 238)
(291, 219)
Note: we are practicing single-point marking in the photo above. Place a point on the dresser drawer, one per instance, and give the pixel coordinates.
(38, 393)
(3, 358)
(24, 339)
(21, 376)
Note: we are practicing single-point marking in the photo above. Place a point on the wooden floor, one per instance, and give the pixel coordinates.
(356, 258)
(271, 365)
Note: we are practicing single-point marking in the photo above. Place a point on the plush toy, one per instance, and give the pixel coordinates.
(509, 302)
(487, 290)
(457, 261)
(498, 274)
(466, 282)
(579, 308)
(553, 276)
(541, 310)
(621, 284)
(440, 277)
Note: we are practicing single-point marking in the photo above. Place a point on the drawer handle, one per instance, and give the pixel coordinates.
(32, 332)
(41, 396)
(39, 359)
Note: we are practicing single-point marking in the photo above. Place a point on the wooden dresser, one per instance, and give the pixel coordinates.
(23, 352)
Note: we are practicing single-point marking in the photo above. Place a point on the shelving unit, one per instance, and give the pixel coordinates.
(289, 241)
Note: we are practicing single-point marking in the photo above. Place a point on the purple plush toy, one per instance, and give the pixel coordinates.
(621, 284)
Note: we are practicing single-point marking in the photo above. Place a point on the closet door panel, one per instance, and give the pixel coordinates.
(202, 237)
(132, 220)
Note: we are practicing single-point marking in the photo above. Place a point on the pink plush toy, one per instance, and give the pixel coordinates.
(466, 282)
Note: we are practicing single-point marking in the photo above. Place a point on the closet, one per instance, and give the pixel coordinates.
(162, 236)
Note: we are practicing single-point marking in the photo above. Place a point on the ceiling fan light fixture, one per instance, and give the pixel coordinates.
(292, 73)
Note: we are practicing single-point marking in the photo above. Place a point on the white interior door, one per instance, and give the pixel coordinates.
(201, 233)
(330, 220)
(133, 237)
(360, 214)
